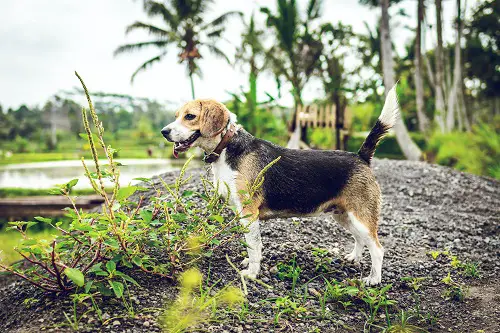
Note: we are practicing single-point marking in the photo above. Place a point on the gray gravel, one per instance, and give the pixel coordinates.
(425, 207)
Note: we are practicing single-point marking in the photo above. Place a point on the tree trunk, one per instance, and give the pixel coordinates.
(439, 115)
(423, 121)
(453, 98)
(192, 85)
(409, 148)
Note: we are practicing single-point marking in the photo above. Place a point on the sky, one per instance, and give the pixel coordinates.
(44, 41)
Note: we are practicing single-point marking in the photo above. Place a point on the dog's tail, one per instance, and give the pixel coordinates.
(384, 123)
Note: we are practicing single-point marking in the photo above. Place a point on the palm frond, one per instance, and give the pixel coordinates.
(222, 19)
(147, 65)
(151, 29)
(215, 33)
(314, 9)
(139, 46)
(216, 51)
(154, 8)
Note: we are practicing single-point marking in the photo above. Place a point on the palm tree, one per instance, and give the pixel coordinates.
(423, 121)
(186, 28)
(297, 51)
(439, 115)
(251, 52)
(409, 148)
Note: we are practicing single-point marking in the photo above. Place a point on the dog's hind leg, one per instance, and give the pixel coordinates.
(367, 234)
(359, 245)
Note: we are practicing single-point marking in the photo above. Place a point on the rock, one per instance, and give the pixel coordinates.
(116, 323)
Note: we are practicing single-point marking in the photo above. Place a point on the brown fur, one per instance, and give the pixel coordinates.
(211, 116)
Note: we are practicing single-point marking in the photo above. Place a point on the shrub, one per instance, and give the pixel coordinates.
(476, 152)
(95, 249)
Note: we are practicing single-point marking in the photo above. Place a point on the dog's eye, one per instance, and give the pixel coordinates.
(189, 116)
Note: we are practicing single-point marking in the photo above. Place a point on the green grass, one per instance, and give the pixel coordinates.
(15, 192)
(10, 239)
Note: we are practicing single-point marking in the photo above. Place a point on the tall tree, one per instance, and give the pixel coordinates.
(296, 52)
(186, 28)
(409, 148)
(454, 105)
(439, 115)
(423, 121)
(251, 53)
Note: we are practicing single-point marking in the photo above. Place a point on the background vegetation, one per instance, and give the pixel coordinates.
(449, 94)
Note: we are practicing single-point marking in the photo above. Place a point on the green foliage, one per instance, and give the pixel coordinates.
(477, 152)
(413, 282)
(290, 271)
(454, 291)
(198, 302)
(402, 325)
(95, 248)
(322, 259)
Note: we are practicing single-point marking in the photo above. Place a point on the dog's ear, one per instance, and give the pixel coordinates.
(215, 117)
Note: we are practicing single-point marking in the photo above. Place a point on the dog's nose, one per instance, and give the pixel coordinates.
(166, 132)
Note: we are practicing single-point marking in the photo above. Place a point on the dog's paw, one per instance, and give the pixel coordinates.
(371, 280)
(245, 262)
(249, 273)
(252, 271)
(352, 257)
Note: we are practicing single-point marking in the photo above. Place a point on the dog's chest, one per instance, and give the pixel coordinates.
(223, 174)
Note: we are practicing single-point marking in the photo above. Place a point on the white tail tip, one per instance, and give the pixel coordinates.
(390, 111)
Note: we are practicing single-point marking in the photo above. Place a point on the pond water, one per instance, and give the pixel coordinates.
(47, 174)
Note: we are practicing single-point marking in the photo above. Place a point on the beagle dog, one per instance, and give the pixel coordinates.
(301, 183)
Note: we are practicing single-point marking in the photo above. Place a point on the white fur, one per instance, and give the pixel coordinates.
(179, 132)
(390, 112)
(223, 174)
(362, 236)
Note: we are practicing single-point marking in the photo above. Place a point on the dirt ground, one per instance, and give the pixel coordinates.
(425, 208)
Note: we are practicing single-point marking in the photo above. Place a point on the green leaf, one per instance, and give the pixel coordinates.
(186, 194)
(75, 275)
(117, 288)
(146, 215)
(127, 278)
(88, 285)
(142, 179)
(137, 260)
(43, 219)
(179, 217)
(217, 218)
(125, 192)
(72, 183)
(111, 266)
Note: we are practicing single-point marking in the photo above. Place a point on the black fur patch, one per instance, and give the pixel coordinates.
(368, 147)
(302, 179)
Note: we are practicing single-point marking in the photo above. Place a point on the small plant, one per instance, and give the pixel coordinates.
(376, 298)
(454, 290)
(321, 259)
(198, 303)
(287, 306)
(92, 252)
(402, 325)
(289, 271)
(340, 292)
(413, 282)
(471, 269)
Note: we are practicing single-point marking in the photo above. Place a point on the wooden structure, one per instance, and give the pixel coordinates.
(321, 116)
(27, 207)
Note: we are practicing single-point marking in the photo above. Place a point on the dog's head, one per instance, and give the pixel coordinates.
(198, 123)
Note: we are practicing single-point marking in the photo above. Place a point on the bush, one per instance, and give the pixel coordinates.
(477, 152)
(91, 254)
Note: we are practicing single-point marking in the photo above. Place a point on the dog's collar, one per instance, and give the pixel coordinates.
(214, 155)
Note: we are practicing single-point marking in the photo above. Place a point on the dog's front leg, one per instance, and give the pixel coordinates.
(254, 243)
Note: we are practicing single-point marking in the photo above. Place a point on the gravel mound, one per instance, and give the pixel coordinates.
(425, 207)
